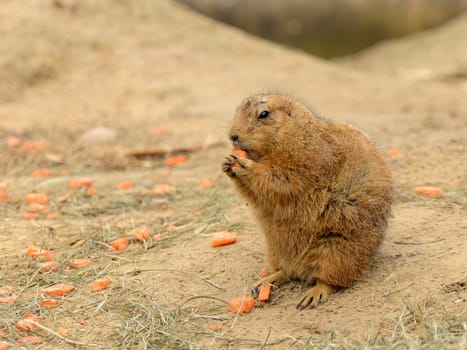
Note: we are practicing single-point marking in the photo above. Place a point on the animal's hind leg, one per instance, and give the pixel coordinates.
(277, 278)
(319, 293)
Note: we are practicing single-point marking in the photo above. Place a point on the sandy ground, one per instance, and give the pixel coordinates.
(135, 65)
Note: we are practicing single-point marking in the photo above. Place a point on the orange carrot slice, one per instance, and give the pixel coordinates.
(13, 141)
(176, 160)
(39, 198)
(63, 331)
(4, 197)
(264, 272)
(239, 153)
(100, 284)
(157, 237)
(264, 292)
(58, 289)
(215, 327)
(80, 182)
(52, 215)
(91, 191)
(223, 238)
(31, 339)
(393, 152)
(36, 207)
(7, 299)
(3, 346)
(142, 233)
(205, 183)
(48, 266)
(42, 173)
(48, 302)
(80, 262)
(34, 145)
(7, 295)
(161, 189)
(241, 304)
(39, 253)
(160, 130)
(428, 191)
(120, 243)
(28, 323)
(30, 216)
(125, 185)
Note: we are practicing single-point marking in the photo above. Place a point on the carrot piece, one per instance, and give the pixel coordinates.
(28, 323)
(13, 141)
(58, 289)
(264, 292)
(393, 152)
(36, 253)
(264, 272)
(239, 153)
(4, 197)
(31, 339)
(63, 331)
(242, 304)
(176, 160)
(48, 302)
(429, 191)
(52, 215)
(48, 266)
(160, 130)
(142, 233)
(91, 191)
(3, 346)
(205, 183)
(7, 299)
(39, 198)
(31, 216)
(215, 327)
(7, 295)
(161, 189)
(36, 207)
(223, 238)
(80, 182)
(34, 145)
(42, 173)
(157, 237)
(100, 284)
(125, 185)
(120, 243)
(80, 262)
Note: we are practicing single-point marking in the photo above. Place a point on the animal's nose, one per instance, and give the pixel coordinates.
(234, 138)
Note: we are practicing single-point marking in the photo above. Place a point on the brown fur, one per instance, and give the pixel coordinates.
(320, 190)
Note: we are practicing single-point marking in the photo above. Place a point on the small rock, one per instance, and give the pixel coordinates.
(96, 136)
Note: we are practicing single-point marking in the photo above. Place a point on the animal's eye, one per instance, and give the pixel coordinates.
(263, 114)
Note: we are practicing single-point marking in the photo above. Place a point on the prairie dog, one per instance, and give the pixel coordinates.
(320, 190)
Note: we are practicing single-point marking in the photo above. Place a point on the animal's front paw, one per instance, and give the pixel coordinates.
(228, 164)
(234, 166)
(241, 166)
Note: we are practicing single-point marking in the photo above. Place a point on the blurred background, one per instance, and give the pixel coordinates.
(330, 28)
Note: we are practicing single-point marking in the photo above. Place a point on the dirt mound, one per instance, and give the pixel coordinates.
(438, 54)
(69, 66)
